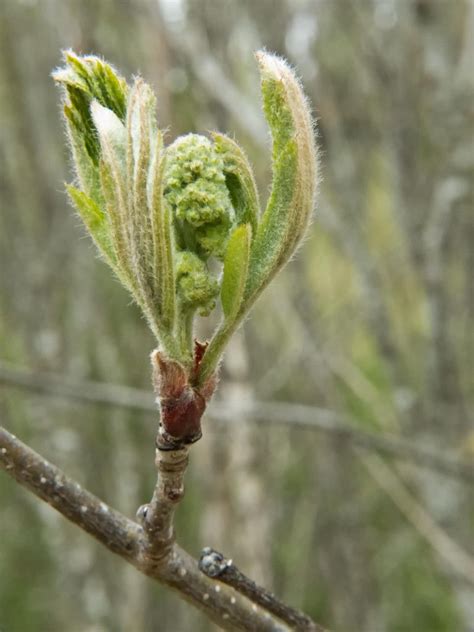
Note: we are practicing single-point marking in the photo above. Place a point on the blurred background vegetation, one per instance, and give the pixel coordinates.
(372, 321)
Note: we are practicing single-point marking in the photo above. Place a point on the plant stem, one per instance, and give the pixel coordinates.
(214, 564)
(157, 516)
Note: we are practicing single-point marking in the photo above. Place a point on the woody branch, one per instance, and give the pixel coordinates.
(150, 548)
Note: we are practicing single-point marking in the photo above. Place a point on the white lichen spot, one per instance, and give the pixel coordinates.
(225, 616)
(254, 608)
(83, 509)
(3, 450)
(182, 572)
(217, 589)
(58, 482)
(42, 480)
(205, 596)
(232, 600)
(104, 508)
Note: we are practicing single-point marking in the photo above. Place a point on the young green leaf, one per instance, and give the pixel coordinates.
(163, 245)
(291, 201)
(95, 221)
(96, 79)
(141, 134)
(236, 264)
(112, 168)
(239, 180)
(294, 173)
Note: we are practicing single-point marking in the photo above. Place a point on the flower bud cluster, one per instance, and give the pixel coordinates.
(196, 287)
(194, 186)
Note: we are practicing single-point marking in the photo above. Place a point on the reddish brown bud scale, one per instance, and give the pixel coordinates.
(199, 350)
(181, 405)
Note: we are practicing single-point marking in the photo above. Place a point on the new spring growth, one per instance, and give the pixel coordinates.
(160, 215)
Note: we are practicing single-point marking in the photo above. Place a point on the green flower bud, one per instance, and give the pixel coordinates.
(195, 187)
(196, 288)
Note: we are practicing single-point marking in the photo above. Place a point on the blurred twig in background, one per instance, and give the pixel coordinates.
(449, 550)
(294, 415)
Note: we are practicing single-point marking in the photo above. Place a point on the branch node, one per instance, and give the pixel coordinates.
(215, 565)
(212, 563)
(141, 513)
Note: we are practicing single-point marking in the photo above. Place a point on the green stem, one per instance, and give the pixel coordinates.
(215, 349)
(221, 337)
(170, 346)
(185, 334)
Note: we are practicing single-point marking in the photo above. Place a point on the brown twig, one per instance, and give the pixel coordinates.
(118, 533)
(228, 608)
(215, 565)
(157, 516)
